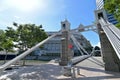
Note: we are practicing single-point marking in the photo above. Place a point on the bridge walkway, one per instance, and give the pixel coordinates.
(90, 69)
(93, 69)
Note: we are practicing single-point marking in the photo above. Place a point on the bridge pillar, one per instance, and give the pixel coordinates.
(112, 63)
(66, 53)
(110, 58)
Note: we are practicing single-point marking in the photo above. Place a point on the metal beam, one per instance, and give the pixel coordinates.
(113, 34)
(6, 65)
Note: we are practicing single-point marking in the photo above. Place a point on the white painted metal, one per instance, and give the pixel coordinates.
(83, 28)
(113, 34)
(6, 65)
(75, 60)
(78, 45)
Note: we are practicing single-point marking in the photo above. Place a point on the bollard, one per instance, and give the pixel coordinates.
(78, 71)
(67, 71)
(73, 73)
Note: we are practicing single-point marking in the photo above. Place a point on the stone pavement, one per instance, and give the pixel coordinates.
(93, 69)
(90, 69)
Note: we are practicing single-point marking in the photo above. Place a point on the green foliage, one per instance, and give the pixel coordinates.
(97, 51)
(2, 37)
(118, 25)
(97, 48)
(11, 33)
(27, 35)
(113, 7)
(6, 43)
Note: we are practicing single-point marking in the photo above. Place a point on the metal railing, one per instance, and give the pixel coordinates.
(113, 35)
(78, 59)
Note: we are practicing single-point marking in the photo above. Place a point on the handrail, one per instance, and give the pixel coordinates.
(78, 59)
(113, 35)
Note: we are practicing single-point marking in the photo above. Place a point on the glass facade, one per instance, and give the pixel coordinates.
(54, 45)
(99, 4)
(110, 17)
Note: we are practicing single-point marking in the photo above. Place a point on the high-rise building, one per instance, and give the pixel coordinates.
(99, 4)
(109, 17)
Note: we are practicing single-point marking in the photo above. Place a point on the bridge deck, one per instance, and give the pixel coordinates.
(90, 69)
(93, 69)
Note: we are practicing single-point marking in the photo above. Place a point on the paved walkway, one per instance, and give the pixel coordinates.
(93, 69)
(90, 69)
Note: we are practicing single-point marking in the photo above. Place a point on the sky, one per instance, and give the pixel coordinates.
(49, 13)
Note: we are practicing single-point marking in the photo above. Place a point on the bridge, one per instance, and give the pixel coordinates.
(109, 38)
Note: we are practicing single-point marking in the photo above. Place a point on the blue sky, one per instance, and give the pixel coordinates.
(49, 13)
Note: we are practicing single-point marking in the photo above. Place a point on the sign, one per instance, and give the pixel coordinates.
(70, 46)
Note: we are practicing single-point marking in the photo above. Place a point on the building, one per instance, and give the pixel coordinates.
(109, 17)
(53, 46)
(99, 4)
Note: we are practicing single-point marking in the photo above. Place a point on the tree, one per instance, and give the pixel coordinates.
(113, 7)
(2, 36)
(11, 33)
(6, 43)
(97, 51)
(27, 35)
(97, 48)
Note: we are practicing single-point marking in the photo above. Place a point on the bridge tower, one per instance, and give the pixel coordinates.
(111, 60)
(66, 53)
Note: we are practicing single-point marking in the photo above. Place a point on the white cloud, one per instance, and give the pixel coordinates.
(32, 6)
(17, 17)
(27, 11)
(23, 5)
(4, 23)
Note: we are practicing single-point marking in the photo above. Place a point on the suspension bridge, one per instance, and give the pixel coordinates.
(110, 45)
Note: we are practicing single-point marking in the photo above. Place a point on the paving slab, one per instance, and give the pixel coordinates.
(90, 69)
(93, 69)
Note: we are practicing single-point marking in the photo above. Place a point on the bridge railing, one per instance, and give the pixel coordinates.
(113, 34)
(79, 59)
